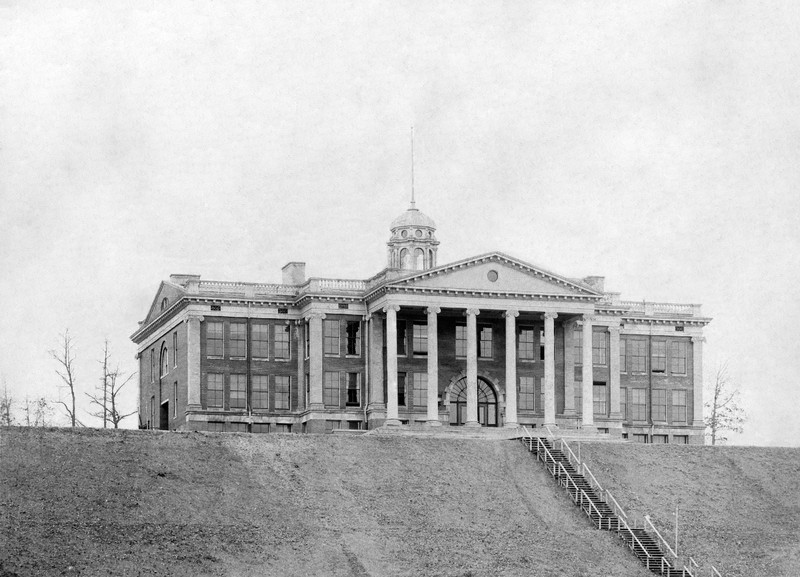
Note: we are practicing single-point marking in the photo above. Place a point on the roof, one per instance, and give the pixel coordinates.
(413, 217)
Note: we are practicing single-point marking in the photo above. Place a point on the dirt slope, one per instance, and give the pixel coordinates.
(148, 503)
(738, 507)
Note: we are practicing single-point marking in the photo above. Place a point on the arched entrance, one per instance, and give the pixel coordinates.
(487, 403)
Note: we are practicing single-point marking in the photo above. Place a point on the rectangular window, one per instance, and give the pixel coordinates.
(307, 333)
(330, 337)
(600, 401)
(260, 428)
(260, 395)
(215, 386)
(640, 438)
(677, 357)
(461, 340)
(525, 345)
(401, 338)
(680, 439)
(282, 339)
(330, 389)
(283, 387)
(214, 339)
(638, 406)
(679, 406)
(175, 349)
(623, 403)
(638, 355)
(175, 400)
(660, 439)
(659, 356)
(419, 339)
(354, 338)
(401, 389)
(541, 345)
(152, 365)
(353, 389)
(238, 392)
(238, 340)
(599, 348)
(623, 367)
(659, 402)
(527, 394)
(485, 342)
(260, 341)
(577, 339)
(420, 389)
(283, 428)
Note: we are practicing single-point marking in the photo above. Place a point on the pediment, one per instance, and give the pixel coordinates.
(168, 291)
(496, 273)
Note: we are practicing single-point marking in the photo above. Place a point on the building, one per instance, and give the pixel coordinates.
(486, 341)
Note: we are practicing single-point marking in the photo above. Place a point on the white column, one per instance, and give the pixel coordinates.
(392, 417)
(569, 368)
(549, 370)
(376, 400)
(472, 368)
(433, 366)
(613, 371)
(299, 327)
(315, 355)
(588, 377)
(193, 362)
(511, 367)
(697, 380)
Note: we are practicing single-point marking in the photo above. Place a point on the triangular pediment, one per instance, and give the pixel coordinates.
(496, 273)
(166, 290)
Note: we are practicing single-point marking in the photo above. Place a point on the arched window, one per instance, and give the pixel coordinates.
(419, 259)
(405, 259)
(164, 361)
(431, 262)
(164, 303)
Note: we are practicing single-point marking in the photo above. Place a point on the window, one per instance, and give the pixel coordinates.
(283, 428)
(260, 394)
(401, 389)
(541, 345)
(215, 385)
(238, 392)
(420, 389)
(640, 438)
(260, 427)
(525, 345)
(679, 406)
(282, 348)
(401, 338)
(330, 337)
(623, 403)
(638, 404)
(577, 338)
(637, 355)
(527, 394)
(659, 403)
(215, 427)
(283, 386)
(214, 340)
(164, 361)
(353, 389)
(599, 348)
(330, 389)
(238, 340)
(661, 439)
(485, 342)
(152, 422)
(175, 400)
(419, 339)
(308, 389)
(260, 341)
(677, 357)
(461, 340)
(175, 349)
(307, 339)
(600, 401)
(152, 365)
(353, 337)
(680, 439)
(659, 353)
(623, 367)
(331, 426)
(164, 303)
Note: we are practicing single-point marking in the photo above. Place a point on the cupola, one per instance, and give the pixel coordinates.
(413, 243)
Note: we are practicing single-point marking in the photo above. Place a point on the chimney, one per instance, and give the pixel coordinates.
(294, 273)
(596, 282)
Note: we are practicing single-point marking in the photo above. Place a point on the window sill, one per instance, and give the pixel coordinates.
(216, 357)
(351, 356)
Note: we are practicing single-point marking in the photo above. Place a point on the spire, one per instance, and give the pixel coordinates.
(413, 204)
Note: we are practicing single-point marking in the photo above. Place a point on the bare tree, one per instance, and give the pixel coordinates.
(106, 394)
(36, 411)
(6, 406)
(65, 357)
(724, 412)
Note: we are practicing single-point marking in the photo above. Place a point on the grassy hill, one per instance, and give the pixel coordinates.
(92, 502)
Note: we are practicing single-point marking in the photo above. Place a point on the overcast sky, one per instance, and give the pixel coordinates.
(653, 143)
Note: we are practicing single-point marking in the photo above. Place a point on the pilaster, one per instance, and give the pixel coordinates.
(193, 362)
(315, 360)
(587, 374)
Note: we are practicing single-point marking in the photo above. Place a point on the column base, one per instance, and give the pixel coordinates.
(193, 407)
(472, 424)
(392, 423)
(436, 423)
(569, 413)
(316, 407)
(615, 416)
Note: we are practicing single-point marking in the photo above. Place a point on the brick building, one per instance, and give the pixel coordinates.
(485, 341)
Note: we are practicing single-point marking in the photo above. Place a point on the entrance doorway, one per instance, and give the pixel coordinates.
(163, 421)
(487, 403)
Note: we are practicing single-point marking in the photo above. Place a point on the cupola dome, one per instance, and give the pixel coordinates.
(412, 245)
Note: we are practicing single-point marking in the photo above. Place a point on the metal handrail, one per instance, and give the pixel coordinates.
(714, 569)
(586, 470)
(653, 527)
(617, 509)
(635, 538)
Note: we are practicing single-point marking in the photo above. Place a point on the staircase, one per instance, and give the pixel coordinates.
(604, 511)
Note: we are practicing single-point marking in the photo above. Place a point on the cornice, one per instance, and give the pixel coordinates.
(395, 289)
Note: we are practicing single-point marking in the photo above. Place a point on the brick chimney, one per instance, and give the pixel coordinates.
(294, 273)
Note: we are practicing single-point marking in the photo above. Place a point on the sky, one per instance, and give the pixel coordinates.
(653, 143)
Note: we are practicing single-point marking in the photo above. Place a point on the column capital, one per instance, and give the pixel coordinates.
(511, 313)
(472, 312)
(368, 317)
(312, 316)
(698, 339)
(198, 318)
(547, 316)
(388, 308)
(587, 318)
(433, 310)
(615, 328)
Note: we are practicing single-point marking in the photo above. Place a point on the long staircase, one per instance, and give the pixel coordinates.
(603, 510)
